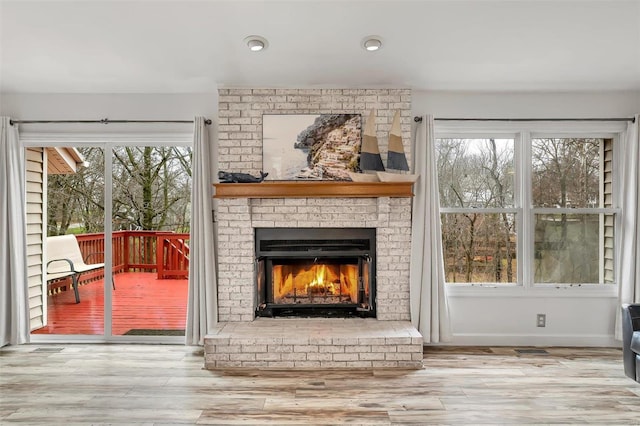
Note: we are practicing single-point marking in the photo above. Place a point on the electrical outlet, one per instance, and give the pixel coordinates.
(542, 320)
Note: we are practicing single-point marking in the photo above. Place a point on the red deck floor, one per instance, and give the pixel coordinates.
(140, 301)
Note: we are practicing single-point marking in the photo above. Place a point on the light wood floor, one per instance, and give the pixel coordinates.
(150, 384)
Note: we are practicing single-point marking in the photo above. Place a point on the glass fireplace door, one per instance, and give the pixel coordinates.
(315, 281)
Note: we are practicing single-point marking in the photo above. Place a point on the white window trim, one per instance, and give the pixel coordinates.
(33, 139)
(523, 133)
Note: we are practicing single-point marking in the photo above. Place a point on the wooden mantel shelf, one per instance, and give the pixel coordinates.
(313, 189)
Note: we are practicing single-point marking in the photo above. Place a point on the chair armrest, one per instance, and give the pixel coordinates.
(92, 254)
(630, 326)
(634, 315)
(71, 267)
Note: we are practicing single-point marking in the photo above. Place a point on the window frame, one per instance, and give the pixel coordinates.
(515, 209)
(523, 133)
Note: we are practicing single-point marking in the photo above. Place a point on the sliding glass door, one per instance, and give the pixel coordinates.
(122, 279)
(65, 231)
(151, 215)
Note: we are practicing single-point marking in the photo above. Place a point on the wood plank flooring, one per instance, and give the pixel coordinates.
(164, 384)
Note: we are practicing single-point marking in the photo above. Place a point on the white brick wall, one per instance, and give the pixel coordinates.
(240, 117)
(237, 219)
(240, 150)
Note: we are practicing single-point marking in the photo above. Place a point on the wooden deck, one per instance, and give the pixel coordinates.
(141, 301)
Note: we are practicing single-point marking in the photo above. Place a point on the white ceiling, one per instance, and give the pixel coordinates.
(197, 46)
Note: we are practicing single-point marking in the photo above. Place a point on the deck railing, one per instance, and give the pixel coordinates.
(166, 253)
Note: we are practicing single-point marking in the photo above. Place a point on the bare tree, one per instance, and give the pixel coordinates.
(566, 174)
(477, 174)
(151, 190)
(61, 203)
(497, 166)
(151, 187)
(77, 197)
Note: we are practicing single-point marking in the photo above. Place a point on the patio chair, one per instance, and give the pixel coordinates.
(64, 259)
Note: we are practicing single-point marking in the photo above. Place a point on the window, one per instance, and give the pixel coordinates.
(524, 209)
(477, 183)
(571, 181)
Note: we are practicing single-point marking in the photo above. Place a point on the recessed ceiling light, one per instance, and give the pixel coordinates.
(372, 43)
(256, 43)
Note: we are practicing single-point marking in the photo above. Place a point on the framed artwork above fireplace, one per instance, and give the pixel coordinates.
(311, 147)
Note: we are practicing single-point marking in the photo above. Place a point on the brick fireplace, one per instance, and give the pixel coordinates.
(245, 339)
(238, 218)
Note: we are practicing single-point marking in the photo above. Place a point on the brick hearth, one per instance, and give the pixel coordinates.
(314, 343)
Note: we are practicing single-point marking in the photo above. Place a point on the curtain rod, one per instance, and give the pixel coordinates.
(103, 121)
(418, 119)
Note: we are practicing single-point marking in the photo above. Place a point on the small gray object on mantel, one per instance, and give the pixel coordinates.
(229, 177)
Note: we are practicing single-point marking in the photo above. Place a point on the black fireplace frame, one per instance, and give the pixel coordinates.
(273, 244)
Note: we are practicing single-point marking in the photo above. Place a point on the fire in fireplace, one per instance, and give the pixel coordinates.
(315, 272)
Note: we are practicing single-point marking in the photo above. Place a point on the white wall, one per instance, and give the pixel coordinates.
(526, 104)
(575, 317)
(494, 318)
(34, 106)
(112, 106)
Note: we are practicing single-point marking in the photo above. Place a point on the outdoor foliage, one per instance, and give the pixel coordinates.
(151, 191)
(480, 246)
(566, 173)
(76, 200)
(152, 188)
(477, 173)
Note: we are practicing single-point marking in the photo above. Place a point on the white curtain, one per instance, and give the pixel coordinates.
(14, 303)
(429, 309)
(629, 259)
(202, 308)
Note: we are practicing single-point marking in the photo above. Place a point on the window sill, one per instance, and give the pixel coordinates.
(544, 290)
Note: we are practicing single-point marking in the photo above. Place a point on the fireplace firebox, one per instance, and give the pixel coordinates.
(327, 272)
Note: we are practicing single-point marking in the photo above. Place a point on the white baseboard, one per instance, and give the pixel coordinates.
(585, 340)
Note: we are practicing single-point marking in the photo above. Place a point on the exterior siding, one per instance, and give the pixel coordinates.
(609, 221)
(35, 232)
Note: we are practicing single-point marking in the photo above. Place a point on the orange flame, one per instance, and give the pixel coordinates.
(318, 284)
